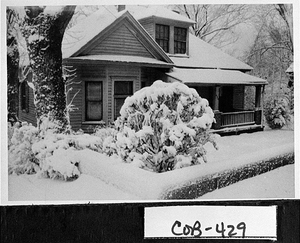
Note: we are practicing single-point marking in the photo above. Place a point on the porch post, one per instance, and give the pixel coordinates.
(216, 98)
(216, 95)
(258, 105)
(258, 97)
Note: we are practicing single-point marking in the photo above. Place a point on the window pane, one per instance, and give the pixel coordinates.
(94, 111)
(180, 34)
(162, 36)
(94, 90)
(123, 88)
(118, 105)
(93, 101)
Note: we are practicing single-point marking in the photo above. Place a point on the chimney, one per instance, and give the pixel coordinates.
(121, 8)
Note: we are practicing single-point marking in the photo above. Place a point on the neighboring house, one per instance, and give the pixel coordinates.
(115, 54)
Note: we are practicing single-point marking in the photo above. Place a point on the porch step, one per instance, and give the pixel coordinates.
(238, 129)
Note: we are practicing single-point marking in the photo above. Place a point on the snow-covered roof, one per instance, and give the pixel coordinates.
(201, 54)
(290, 69)
(142, 12)
(214, 76)
(123, 59)
(204, 55)
(83, 32)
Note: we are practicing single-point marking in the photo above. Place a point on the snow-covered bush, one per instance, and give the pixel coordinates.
(55, 150)
(21, 159)
(107, 139)
(277, 112)
(49, 152)
(164, 127)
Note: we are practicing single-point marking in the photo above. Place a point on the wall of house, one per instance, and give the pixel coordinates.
(238, 97)
(149, 25)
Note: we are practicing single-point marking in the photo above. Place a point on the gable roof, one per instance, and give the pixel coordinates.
(204, 55)
(143, 12)
(201, 54)
(101, 24)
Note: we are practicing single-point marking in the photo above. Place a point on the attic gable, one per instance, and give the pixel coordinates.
(121, 40)
(121, 35)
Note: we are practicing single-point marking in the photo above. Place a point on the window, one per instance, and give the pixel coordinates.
(123, 89)
(93, 101)
(180, 40)
(162, 36)
(24, 96)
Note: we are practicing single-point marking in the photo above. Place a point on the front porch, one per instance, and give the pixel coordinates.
(228, 96)
(235, 121)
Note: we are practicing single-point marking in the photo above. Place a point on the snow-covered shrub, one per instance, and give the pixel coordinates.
(164, 127)
(277, 112)
(107, 139)
(54, 151)
(62, 164)
(21, 159)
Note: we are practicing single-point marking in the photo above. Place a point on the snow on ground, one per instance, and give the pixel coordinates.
(119, 181)
(30, 187)
(278, 183)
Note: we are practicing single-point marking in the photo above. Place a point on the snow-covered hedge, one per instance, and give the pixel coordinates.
(21, 159)
(48, 152)
(277, 111)
(164, 127)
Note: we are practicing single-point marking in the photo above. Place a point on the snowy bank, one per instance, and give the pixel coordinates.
(107, 178)
(251, 155)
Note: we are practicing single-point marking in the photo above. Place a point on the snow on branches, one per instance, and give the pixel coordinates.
(164, 127)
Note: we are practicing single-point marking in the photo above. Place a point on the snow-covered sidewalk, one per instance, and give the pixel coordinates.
(125, 182)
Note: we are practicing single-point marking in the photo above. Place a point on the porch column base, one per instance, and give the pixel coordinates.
(218, 118)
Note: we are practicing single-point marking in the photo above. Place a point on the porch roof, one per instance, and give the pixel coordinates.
(121, 59)
(213, 76)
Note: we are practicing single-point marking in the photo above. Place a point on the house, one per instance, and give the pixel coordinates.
(115, 53)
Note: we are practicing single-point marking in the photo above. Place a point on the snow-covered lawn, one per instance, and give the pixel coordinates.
(104, 180)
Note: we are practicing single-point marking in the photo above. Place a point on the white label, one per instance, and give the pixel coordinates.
(254, 222)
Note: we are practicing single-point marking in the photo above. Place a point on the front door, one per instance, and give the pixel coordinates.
(226, 99)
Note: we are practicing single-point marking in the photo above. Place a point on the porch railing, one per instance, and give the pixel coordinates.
(237, 118)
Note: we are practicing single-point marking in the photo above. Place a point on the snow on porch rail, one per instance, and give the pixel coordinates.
(237, 118)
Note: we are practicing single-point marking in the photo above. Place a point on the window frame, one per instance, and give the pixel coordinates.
(86, 101)
(180, 41)
(164, 39)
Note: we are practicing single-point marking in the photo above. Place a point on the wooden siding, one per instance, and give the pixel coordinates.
(77, 94)
(29, 116)
(149, 26)
(238, 97)
(121, 42)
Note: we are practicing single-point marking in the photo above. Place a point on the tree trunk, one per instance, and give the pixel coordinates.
(43, 33)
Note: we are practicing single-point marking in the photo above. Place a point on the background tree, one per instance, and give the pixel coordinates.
(12, 66)
(272, 51)
(215, 23)
(270, 56)
(43, 29)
